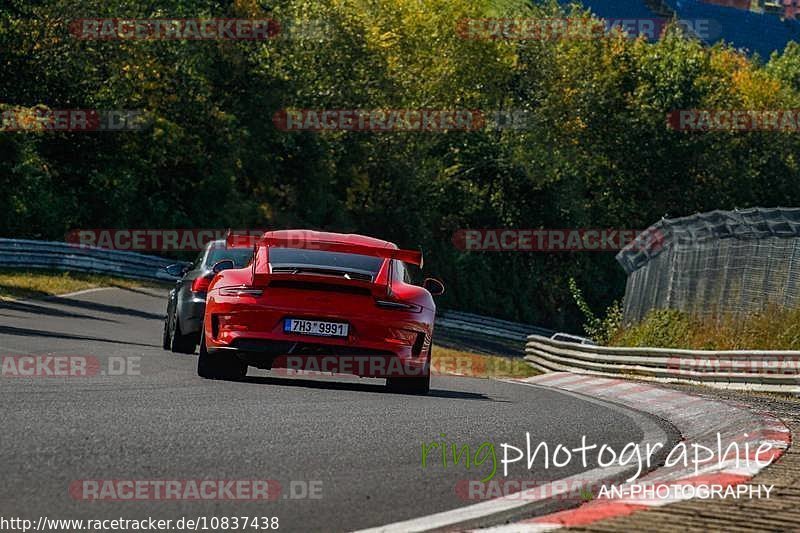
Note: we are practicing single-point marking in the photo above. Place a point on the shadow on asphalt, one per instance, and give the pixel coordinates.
(483, 344)
(25, 332)
(26, 307)
(146, 292)
(111, 309)
(361, 387)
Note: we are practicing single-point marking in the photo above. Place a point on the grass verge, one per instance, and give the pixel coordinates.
(772, 329)
(15, 284)
(448, 361)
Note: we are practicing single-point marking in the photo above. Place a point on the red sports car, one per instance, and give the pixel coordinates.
(328, 302)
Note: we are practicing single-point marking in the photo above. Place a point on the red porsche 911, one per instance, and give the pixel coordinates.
(315, 301)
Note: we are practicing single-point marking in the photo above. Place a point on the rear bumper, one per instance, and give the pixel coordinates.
(363, 363)
(380, 343)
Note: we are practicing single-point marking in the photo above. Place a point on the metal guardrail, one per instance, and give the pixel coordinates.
(21, 253)
(754, 370)
(774, 371)
(493, 327)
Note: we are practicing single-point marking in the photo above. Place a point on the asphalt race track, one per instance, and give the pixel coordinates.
(160, 421)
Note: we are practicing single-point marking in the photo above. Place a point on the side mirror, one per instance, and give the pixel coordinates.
(433, 286)
(176, 271)
(225, 264)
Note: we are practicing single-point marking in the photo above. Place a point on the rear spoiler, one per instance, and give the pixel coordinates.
(407, 256)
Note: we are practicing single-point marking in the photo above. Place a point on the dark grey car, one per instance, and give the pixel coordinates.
(187, 301)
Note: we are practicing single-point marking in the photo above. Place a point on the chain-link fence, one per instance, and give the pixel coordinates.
(713, 264)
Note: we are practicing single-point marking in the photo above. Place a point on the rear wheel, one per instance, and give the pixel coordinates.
(421, 385)
(166, 343)
(415, 385)
(181, 343)
(218, 366)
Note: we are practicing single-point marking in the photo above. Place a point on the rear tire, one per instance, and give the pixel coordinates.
(417, 385)
(421, 385)
(182, 343)
(165, 340)
(218, 366)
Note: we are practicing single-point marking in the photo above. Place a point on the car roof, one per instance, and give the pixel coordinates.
(325, 236)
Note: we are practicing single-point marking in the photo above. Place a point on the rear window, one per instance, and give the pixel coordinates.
(239, 256)
(289, 257)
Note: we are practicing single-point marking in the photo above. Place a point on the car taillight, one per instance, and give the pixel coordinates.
(201, 284)
(241, 291)
(398, 306)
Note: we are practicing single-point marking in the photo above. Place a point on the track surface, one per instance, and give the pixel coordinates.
(361, 442)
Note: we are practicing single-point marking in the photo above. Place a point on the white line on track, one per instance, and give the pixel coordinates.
(78, 293)
(652, 433)
(521, 528)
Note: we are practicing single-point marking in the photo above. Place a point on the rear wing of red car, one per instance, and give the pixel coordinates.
(262, 244)
(413, 257)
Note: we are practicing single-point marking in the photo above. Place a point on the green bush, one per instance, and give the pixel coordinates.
(661, 328)
(771, 329)
(600, 330)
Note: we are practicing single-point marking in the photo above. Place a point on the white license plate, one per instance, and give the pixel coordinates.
(315, 327)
